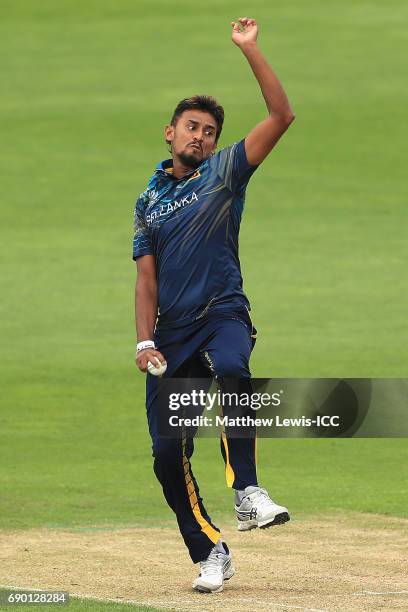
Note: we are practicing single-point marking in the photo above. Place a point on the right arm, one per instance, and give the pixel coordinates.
(146, 309)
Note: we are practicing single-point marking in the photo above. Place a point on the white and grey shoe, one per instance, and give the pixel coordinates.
(257, 509)
(214, 570)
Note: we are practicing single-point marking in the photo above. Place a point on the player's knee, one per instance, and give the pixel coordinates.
(232, 366)
(171, 451)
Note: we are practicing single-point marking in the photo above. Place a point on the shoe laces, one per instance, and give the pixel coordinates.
(212, 564)
(261, 499)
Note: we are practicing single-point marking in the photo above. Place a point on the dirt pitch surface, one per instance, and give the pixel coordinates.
(353, 562)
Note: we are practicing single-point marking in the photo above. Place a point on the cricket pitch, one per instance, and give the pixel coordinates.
(342, 562)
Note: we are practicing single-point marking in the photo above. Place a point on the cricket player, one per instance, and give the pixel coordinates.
(191, 310)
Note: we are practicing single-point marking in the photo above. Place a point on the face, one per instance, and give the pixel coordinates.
(193, 138)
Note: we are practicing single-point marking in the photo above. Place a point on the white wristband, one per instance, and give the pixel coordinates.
(145, 344)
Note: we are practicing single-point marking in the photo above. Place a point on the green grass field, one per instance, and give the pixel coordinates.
(88, 87)
(82, 605)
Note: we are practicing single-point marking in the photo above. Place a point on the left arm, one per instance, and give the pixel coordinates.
(263, 137)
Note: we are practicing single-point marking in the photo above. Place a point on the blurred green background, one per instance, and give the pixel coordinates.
(87, 89)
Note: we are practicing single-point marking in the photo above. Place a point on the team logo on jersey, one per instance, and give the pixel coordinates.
(153, 196)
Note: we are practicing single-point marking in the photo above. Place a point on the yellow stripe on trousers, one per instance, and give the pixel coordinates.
(229, 472)
(206, 528)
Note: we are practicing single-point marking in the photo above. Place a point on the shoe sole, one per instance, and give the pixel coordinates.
(279, 519)
(201, 589)
(227, 576)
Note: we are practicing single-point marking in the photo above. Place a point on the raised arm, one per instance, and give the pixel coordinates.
(261, 140)
(146, 308)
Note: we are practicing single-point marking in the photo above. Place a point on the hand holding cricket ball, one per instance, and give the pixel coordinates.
(158, 369)
(152, 361)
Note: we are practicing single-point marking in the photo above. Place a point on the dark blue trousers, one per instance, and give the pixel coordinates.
(218, 345)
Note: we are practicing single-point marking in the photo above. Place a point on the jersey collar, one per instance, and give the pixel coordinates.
(165, 168)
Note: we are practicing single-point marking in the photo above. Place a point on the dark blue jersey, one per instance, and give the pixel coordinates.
(191, 226)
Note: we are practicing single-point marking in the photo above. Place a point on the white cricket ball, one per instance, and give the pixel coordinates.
(158, 369)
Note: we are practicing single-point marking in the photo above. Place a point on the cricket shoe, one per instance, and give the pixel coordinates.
(214, 570)
(257, 509)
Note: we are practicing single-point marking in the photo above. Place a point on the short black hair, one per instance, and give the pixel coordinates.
(207, 104)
